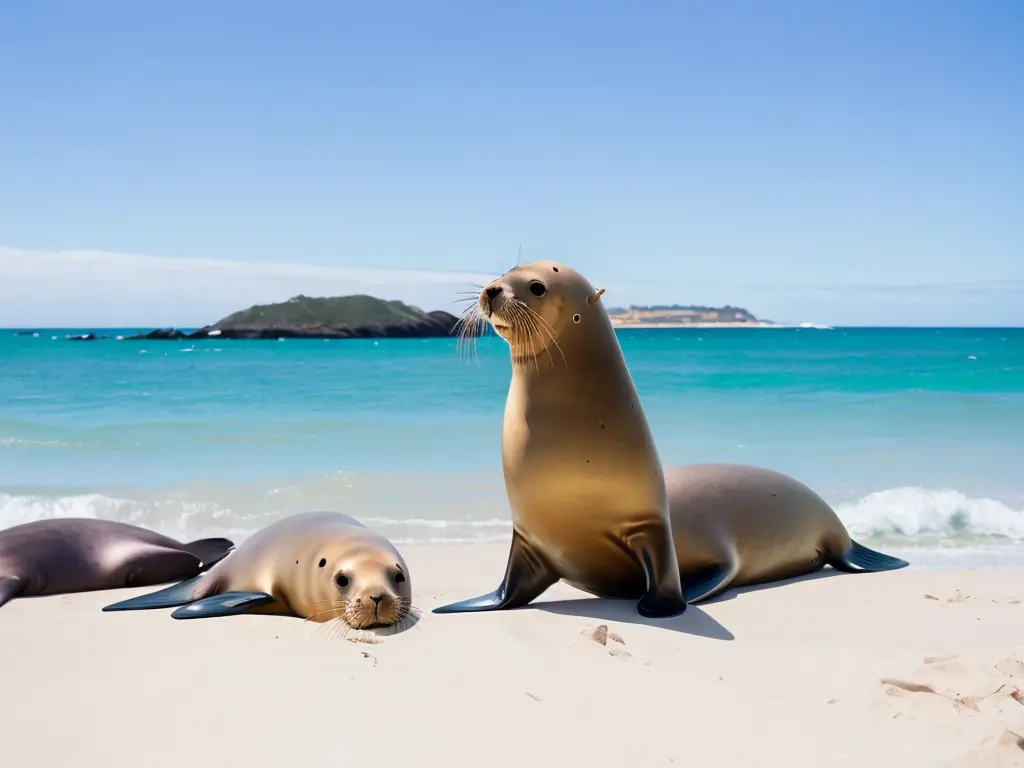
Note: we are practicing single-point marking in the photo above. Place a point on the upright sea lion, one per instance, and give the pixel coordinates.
(590, 501)
(64, 555)
(319, 566)
(581, 469)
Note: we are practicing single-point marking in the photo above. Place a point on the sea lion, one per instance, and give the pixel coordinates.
(319, 566)
(582, 472)
(737, 525)
(591, 504)
(64, 555)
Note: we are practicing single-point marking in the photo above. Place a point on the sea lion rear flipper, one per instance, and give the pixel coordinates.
(860, 559)
(210, 551)
(10, 587)
(169, 597)
(225, 604)
(526, 577)
(709, 582)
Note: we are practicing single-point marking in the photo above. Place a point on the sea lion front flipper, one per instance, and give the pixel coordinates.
(707, 583)
(664, 596)
(224, 604)
(10, 586)
(169, 597)
(146, 565)
(526, 577)
(210, 551)
(860, 559)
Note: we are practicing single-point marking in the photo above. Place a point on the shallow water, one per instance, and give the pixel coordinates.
(916, 435)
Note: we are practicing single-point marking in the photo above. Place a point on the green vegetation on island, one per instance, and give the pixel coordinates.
(338, 317)
(332, 312)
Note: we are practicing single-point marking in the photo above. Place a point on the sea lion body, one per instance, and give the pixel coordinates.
(319, 566)
(591, 503)
(584, 481)
(575, 505)
(67, 555)
(737, 525)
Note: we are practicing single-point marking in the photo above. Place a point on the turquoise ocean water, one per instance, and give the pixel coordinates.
(915, 435)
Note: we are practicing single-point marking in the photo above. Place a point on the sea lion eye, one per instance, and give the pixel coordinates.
(399, 577)
(537, 288)
(341, 579)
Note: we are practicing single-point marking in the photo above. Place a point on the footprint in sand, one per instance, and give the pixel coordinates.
(963, 694)
(1004, 750)
(1013, 668)
(960, 597)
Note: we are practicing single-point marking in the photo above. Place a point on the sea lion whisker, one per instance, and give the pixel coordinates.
(549, 330)
(535, 329)
(336, 629)
(528, 319)
(524, 334)
(409, 611)
(467, 323)
(326, 610)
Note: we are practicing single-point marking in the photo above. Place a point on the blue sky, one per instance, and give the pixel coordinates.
(846, 163)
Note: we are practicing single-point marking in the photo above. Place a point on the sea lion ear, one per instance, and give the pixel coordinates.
(592, 300)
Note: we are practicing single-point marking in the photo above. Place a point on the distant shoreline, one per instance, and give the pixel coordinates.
(632, 326)
(712, 325)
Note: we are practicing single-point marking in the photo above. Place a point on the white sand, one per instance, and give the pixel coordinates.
(789, 675)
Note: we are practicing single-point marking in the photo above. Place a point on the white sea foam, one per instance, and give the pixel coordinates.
(24, 442)
(965, 529)
(926, 513)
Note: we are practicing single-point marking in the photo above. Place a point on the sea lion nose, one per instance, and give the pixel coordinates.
(376, 599)
(492, 291)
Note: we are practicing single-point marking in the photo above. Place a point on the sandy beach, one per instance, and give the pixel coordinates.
(792, 674)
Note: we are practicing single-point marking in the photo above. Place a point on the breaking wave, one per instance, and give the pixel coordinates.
(468, 509)
(926, 514)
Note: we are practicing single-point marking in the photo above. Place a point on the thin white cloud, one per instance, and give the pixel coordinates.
(97, 288)
(94, 289)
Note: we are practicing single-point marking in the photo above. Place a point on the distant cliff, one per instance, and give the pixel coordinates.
(340, 317)
(678, 314)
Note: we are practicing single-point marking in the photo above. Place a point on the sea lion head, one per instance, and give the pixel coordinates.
(369, 585)
(537, 305)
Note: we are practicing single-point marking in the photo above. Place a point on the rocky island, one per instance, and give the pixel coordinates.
(339, 317)
(678, 315)
(360, 316)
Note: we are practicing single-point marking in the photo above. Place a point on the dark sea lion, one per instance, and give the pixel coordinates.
(64, 555)
(320, 566)
(590, 501)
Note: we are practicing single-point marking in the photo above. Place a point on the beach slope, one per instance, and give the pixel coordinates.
(895, 669)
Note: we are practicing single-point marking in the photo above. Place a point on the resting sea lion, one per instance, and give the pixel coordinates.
(737, 525)
(64, 555)
(590, 501)
(319, 566)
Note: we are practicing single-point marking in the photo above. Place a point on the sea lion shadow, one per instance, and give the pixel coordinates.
(735, 592)
(693, 621)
